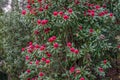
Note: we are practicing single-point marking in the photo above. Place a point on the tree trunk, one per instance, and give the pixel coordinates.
(9, 77)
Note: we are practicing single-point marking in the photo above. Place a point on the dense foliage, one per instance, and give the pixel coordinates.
(15, 33)
(60, 40)
(73, 40)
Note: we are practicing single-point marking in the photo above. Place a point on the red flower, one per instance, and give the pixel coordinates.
(82, 78)
(30, 62)
(100, 69)
(101, 14)
(31, 47)
(66, 17)
(72, 69)
(80, 27)
(28, 71)
(105, 61)
(69, 44)
(51, 39)
(91, 5)
(43, 59)
(48, 55)
(104, 6)
(37, 62)
(111, 15)
(61, 13)
(47, 61)
(33, 78)
(30, 43)
(42, 48)
(23, 12)
(38, 21)
(36, 32)
(72, 49)
(55, 13)
(76, 51)
(29, 50)
(76, 2)
(70, 10)
(46, 7)
(28, 1)
(28, 6)
(39, 1)
(85, 13)
(37, 46)
(32, 1)
(91, 30)
(118, 46)
(46, 30)
(54, 37)
(91, 13)
(33, 11)
(41, 9)
(28, 78)
(97, 7)
(23, 49)
(56, 45)
(41, 74)
(27, 58)
(43, 22)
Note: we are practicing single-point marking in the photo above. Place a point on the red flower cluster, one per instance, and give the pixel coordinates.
(56, 45)
(76, 2)
(42, 47)
(47, 61)
(41, 74)
(24, 12)
(55, 13)
(82, 78)
(91, 30)
(27, 58)
(72, 49)
(37, 62)
(100, 69)
(36, 32)
(118, 46)
(46, 30)
(28, 71)
(69, 44)
(66, 17)
(61, 13)
(97, 7)
(103, 13)
(52, 39)
(72, 69)
(91, 13)
(105, 61)
(70, 10)
(42, 22)
(80, 27)
(39, 1)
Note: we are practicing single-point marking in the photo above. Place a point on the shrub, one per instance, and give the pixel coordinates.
(72, 40)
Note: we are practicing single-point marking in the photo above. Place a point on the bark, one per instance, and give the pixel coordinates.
(9, 77)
